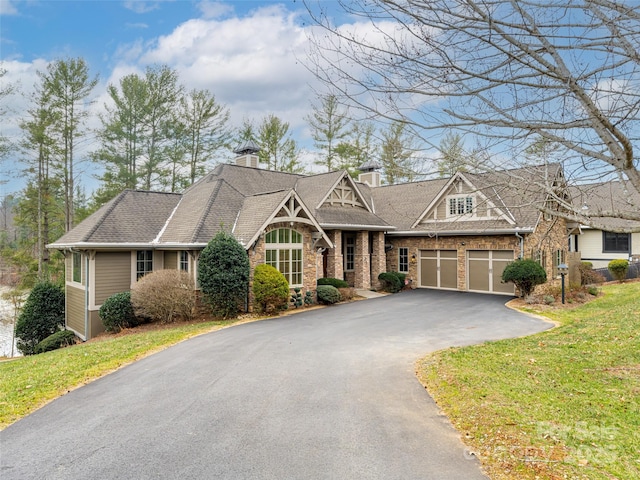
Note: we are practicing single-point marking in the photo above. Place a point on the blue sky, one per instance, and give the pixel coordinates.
(249, 54)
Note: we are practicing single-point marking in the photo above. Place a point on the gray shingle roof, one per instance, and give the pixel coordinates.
(614, 195)
(131, 217)
(242, 199)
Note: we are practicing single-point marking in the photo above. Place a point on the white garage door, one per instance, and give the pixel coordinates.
(439, 269)
(484, 271)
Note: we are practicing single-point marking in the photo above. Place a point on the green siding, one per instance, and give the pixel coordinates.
(112, 274)
(75, 309)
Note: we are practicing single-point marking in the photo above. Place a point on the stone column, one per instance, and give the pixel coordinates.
(335, 267)
(378, 259)
(362, 261)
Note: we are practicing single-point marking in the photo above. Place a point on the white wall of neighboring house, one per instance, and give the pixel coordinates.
(591, 248)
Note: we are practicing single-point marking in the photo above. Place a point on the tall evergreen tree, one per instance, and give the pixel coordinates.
(205, 127)
(278, 151)
(397, 155)
(329, 127)
(67, 83)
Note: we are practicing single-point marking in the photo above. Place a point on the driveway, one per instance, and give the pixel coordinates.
(324, 394)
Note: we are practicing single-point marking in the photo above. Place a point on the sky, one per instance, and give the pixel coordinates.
(250, 54)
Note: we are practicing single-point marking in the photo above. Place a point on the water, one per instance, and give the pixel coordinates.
(6, 325)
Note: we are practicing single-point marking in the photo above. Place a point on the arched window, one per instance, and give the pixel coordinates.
(284, 252)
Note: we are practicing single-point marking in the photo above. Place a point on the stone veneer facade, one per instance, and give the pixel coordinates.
(550, 236)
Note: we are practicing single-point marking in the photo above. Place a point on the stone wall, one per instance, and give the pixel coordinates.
(460, 243)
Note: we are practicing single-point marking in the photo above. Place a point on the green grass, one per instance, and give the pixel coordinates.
(27, 383)
(561, 404)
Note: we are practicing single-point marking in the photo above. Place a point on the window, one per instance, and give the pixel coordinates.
(144, 262)
(184, 261)
(540, 256)
(559, 256)
(460, 205)
(77, 267)
(350, 253)
(403, 259)
(616, 242)
(284, 252)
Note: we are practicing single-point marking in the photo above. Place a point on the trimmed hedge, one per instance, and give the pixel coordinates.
(524, 274)
(619, 269)
(392, 282)
(116, 312)
(334, 282)
(328, 294)
(60, 339)
(270, 288)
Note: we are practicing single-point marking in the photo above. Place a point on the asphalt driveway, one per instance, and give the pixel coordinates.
(324, 394)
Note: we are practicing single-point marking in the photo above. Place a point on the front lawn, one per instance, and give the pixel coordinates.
(27, 383)
(563, 404)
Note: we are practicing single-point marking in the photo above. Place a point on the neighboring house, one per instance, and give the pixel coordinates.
(601, 246)
(456, 234)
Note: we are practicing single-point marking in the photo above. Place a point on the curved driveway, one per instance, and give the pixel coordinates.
(324, 394)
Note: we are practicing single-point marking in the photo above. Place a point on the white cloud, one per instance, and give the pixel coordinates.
(140, 6)
(7, 8)
(212, 9)
(137, 25)
(252, 64)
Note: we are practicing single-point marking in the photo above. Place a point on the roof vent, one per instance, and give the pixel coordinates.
(247, 154)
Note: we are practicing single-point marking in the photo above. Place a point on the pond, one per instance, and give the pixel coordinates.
(6, 326)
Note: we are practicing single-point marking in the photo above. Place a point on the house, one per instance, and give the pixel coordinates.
(601, 246)
(456, 233)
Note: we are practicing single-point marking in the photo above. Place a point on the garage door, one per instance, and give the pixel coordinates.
(439, 269)
(484, 271)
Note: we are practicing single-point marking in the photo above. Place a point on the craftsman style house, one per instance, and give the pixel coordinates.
(456, 233)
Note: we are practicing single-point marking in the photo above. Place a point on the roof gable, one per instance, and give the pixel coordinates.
(344, 192)
(460, 186)
(262, 210)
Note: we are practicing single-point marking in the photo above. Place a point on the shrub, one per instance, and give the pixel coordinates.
(164, 296)
(296, 298)
(308, 298)
(334, 282)
(62, 338)
(588, 275)
(270, 288)
(347, 293)
(593, 291)
(223, 274)
(619, 269)
(525, 274)
(41, 316)
(549, 299)
(392, 281)
(116, 312)
(328, 294)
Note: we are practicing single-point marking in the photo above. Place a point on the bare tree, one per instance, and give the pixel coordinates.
(512, 72)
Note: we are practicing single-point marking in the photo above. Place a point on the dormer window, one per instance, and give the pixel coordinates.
(460, 205)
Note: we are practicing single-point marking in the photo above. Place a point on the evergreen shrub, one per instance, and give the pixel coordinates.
(328, 294)
(41, 316)
(60, 339)
(392, 282)
(270, 288)
(223, 275)
(619, 269)
(116, 312)
(524, 274)
(334, 282)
